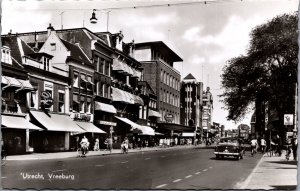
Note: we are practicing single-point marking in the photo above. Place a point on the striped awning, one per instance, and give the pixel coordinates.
(123, 96)
(105, 107)
(17, 122)
(13, 82)
(89, 127)
(153, 113)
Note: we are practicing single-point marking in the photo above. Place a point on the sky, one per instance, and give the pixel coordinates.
(205, 36)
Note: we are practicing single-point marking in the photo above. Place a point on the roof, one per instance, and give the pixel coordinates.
(12, 43)
(76, 52)
(162, 48)
(189, 77)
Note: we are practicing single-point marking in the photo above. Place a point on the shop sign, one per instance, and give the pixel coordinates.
(46, 99)
(105, 123)
(169, 117)
(288, 119)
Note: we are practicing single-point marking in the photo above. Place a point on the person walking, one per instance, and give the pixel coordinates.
(96, 146)
(253, 146)
(263, 145)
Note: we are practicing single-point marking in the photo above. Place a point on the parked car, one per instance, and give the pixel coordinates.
(229, 147)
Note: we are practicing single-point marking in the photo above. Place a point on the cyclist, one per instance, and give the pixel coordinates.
(84, 145)
(253, 146)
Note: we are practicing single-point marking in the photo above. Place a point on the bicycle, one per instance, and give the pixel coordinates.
(253, 150)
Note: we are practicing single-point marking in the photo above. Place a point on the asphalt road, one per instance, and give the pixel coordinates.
(166, 169)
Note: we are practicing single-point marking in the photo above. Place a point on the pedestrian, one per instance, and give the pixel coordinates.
(176, 141)
(106, 144)
(279, 145)
(96, 146)
(294, 147)
(263, 145)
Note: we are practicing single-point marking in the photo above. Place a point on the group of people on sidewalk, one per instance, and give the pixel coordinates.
(276, 145)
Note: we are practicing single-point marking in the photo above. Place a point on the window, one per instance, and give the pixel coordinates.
(161, 75)
(75, 79)
(101, 66)
(89, 107)
(82, 106)
(50, 93)
(89, 84)
(61, 102)
(53, 46)
(33, 99)
(107, 66)
(45, 63)
(83, 81)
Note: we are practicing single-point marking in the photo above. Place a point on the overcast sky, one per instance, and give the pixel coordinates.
(205, 36)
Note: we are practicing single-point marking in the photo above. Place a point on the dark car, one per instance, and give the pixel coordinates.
(229, 147)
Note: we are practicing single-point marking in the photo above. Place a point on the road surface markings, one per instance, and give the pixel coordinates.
(189, 176)
(147, 158)
(210, 167)
(3, 177)
(59, 170)
(160, 186)
(177, 180)
(163, 156)
(124, 162)
(100, 165)
(205, 170)
(197, 172)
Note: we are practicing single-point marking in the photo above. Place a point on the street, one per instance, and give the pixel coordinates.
(192, 168)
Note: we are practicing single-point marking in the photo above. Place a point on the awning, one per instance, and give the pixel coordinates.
(146, 130)
(13, 82)
(17, 122)
(123, 96)
(89, 127)
(157, 133)
(56, 122)
(154, 113)
(105, 107)
(129, 122)
(188, 134)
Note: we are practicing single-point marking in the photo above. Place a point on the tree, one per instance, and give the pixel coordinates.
(268, 72)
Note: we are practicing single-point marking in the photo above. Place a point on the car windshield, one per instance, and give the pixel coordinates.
(228, 141)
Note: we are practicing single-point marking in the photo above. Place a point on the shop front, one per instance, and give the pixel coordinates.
(58, 130)
(17, 134)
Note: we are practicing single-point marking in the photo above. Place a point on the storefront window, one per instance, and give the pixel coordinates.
(61, 102)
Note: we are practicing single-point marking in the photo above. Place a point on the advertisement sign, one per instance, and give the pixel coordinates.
(169, 117)
(288, 119)
(46, 99)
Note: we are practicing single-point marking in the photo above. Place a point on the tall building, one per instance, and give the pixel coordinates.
(207, 109)
(157, 61)
(191, 103)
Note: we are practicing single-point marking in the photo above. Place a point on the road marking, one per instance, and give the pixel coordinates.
(124, 162)
(205, 170)
(189, 176)
(197, 172)
(147, 158)
(59, 170)
(160, 186)
(3, 177)
(177, 180)
(210, 167)
(100, 165)
(163, 156)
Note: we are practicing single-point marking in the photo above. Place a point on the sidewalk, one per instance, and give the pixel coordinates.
(273, 173)
(70, 154)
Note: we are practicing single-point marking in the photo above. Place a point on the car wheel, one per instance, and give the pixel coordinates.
(238, 157)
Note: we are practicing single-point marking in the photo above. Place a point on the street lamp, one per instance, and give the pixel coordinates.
(94, 20)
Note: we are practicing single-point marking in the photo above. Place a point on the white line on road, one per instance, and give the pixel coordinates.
(177, 180)
(197, 172)
(59, 170)
(205, 170)
(160, 186)
(163, 156)
(147, 158)
(189, 176)
(3, 177)
(124, 162)
(210, 167)
(100, 165)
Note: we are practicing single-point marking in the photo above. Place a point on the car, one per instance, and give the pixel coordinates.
(229, 147)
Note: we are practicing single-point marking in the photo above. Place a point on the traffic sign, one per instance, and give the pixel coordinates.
(288, 119)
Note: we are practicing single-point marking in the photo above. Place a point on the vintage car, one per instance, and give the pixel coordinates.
(229, 147)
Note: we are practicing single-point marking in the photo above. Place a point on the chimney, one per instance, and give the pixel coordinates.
(49, 29)
(119, 41)
(10, 32)
(36, 47)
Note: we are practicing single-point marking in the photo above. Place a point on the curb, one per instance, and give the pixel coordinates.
(245, 183)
